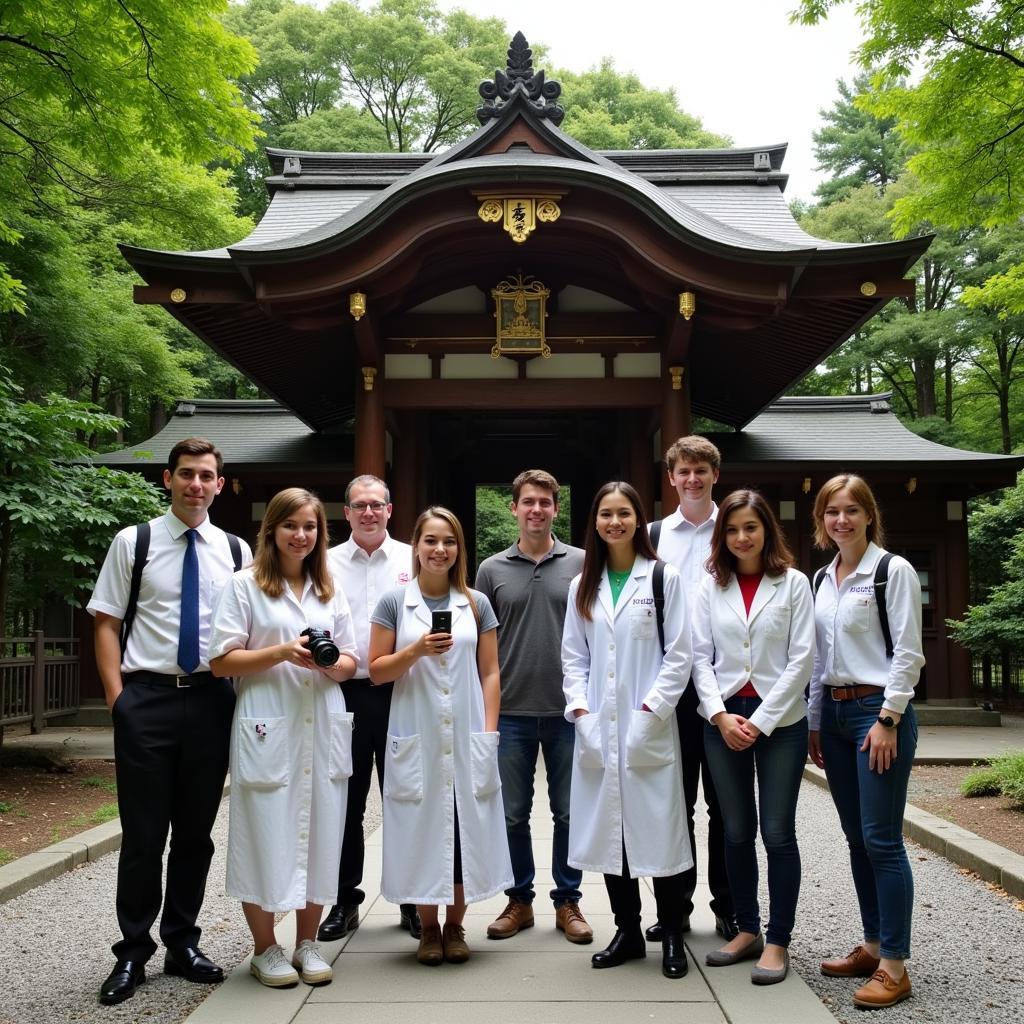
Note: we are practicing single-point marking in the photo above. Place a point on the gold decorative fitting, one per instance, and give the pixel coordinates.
(357, 307)
(868, 288)
(369, 373)
(178, 295)
(806, 485)
(519, 308)
(236, 485)
(911, 485)
(677, 377)
(519, 214)
(687, 304)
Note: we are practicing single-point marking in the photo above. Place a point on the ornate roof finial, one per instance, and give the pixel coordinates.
(519, 77)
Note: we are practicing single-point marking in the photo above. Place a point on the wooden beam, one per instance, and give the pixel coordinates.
(160, 295)
(492, 395)
(847, 288)
(368, 345)
(480, 326)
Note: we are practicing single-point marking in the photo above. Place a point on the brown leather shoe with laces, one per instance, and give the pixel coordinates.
(882, 991)
(431, 952)
(569, 919)
(512, 920)
(858, 963)
(454, 940)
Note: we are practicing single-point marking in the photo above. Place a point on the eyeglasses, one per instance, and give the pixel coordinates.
(373, 506)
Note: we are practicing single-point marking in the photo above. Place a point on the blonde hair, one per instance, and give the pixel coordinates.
(861, 494)
(458, 575)
(266, 562)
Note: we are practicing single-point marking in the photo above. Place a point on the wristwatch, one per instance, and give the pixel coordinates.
(887, 721)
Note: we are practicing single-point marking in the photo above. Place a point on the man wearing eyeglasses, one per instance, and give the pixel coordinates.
(367, 566)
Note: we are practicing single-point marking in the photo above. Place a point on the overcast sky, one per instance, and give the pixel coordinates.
(738, 65)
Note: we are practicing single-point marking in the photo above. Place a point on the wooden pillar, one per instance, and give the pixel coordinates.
(676, 421)
(641, 469)
(370, 444)
(959, 685)
(404, 497)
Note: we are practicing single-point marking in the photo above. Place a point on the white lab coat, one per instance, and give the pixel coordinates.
(291, 751)
(773, 647)
(626, 778)
(438, 753)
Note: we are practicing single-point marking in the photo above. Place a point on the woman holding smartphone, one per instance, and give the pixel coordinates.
(444, 824)
(622, 683)
(753, 650)
(291, 739)
(863, 731)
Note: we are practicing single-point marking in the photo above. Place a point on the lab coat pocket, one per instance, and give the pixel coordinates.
(262, 752)
(857, 615)
(775, 622)
(339, 761)
(483, 749)
(403, 769)
(642, 622)
(588, 741)
(649, 743)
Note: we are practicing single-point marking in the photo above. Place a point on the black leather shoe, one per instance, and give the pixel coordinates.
(410, 919)
(190, 963)
(726, 927)
(339, 922)
(655, 933)
(673, 955)
(624, 946)
(122, 982)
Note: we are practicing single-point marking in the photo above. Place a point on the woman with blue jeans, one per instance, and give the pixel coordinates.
(862, 727)
(753, 648)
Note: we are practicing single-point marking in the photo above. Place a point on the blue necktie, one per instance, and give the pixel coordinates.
(188, 629)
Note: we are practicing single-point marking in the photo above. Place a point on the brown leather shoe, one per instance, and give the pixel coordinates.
(858, 963)
(454, 940)
(569, 919)
(882, 991)
(512, 920)
(431, 951)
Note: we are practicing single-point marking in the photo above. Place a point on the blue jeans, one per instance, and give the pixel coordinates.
(870, 810)
(779, 763)
(522, 737)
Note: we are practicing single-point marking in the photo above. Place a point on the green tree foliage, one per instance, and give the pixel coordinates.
(607, 109)
(496, 527)
(57, 514)
(856, 146)
(998, 624)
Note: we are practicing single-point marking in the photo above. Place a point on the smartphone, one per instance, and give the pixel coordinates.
(440, 622)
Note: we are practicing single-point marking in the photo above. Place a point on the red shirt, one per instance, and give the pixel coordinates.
(748, 588)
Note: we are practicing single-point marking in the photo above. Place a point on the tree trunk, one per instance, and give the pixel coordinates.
(157, 416)
(6, 543)
(947, 376)
(924, 385)
(117, 409)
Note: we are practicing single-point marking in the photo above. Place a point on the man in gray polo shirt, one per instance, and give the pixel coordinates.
(528, 586)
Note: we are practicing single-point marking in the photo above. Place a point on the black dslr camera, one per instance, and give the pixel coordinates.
(324, 650)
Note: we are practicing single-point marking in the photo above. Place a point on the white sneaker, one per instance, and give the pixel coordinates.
(315, 970)
(272, 968)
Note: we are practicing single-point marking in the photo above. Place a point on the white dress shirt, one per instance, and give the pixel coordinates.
(365, 579)
(851, 648)
(153, 643)
(687, 547)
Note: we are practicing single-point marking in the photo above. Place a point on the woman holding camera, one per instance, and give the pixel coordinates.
(862, 726)
(444, 824)
(291, 739)
(753, 650)
(625, 667)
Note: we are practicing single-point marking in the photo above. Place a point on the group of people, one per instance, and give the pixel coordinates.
(658, 657)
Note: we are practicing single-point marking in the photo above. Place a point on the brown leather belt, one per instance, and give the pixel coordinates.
(853, 692)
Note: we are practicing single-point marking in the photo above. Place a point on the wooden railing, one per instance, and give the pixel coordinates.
(39, 679)
(999, 678)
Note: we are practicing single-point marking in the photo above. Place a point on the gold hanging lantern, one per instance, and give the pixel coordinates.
(520, 312)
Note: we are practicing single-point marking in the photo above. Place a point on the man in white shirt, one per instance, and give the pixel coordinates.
(367, 566)
(683, 539)
(172, 718)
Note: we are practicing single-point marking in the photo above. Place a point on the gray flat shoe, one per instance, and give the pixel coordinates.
(767, 976)
(719, 958)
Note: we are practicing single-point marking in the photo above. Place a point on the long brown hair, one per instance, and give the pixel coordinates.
(596, 548)
(776, 556)
(458, 575)
(266, 562)
(861, 494)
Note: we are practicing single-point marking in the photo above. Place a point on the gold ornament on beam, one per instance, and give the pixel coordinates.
(369, 374)
(519, 214)
(687, 304)
(357, 305)
(178, 295)
(868, 288)
(519, 308)
(677, 377)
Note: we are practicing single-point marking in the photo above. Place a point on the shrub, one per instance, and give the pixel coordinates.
(1004, 776)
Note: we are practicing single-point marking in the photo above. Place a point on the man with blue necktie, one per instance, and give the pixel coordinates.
(172, 719)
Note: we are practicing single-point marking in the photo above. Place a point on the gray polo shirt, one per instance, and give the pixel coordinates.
(529, 599)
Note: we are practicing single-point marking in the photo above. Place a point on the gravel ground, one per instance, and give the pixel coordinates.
(968, 964)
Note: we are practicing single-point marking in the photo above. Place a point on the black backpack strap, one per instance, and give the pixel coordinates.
(236, 550)
(656, 533)
(819, 577)
(881, 579)
(142, 534)
(658, 588)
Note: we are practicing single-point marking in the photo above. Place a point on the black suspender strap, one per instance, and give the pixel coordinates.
(142, 533)
(881, 582)
(818, 577)
(658, 588)
(656, 533)
(236, 550)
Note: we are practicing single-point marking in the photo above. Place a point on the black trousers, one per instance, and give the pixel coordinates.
(171, 757)
(371, 708)
(696, 770)
(624, 897)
